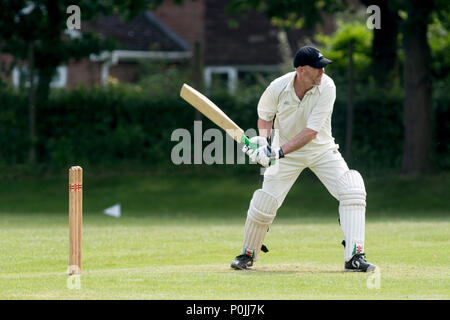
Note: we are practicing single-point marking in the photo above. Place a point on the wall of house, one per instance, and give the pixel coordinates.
(125, 71)
(187, 20)
(84, 72)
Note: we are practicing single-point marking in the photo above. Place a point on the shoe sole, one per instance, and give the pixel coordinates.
(370, 268)
(353, 270)
(236, 267)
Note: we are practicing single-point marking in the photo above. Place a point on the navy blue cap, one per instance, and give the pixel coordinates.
(310, 56)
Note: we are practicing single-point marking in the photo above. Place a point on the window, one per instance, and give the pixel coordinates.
(227, 75)
(20, 77)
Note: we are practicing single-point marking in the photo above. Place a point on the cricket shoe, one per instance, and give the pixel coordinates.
(358, 263)
(243, 261)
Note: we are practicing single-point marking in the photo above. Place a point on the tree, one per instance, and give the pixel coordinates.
(290, 13)
(418, 81)
(416, 15)
(349, 48)
(33, 31)
(418, 86)
(384, 65)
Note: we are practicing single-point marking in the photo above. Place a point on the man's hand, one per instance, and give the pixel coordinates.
(259, 141)
(266, 155)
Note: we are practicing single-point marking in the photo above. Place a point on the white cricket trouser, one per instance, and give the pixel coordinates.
(328, 166)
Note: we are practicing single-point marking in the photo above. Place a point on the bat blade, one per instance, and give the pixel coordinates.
(213, 113)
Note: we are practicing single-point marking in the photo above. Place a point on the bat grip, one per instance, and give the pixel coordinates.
(247, 142)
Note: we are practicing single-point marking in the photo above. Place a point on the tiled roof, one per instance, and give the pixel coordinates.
(253, 42)
(143, 33)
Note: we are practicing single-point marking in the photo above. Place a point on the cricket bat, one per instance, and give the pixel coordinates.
(213, 113)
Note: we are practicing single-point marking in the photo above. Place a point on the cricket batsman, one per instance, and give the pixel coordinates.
(299, 105)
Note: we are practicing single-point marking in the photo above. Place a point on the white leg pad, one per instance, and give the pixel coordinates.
(260, 215)
(352, 212)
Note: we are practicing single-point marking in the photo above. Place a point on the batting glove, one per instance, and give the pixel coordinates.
(266, 155)
(259, 141)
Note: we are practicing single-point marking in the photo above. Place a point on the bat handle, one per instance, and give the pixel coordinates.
(247, 142)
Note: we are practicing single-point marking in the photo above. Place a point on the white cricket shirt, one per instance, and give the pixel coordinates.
(292, 115)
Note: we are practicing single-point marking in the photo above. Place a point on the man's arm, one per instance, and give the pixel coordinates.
(265, 155)
(300, 140)
(265, 128)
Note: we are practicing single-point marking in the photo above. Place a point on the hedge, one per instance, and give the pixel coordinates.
(105, 125)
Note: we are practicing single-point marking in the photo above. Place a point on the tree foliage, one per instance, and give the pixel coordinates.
(42, 24)
(34, 31)
(416, 16)
(336, 46)
(290, 13)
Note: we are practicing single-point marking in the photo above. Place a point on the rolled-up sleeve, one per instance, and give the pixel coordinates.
(267, 105)
(323, 108)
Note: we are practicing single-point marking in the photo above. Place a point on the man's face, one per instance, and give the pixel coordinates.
(313, 76)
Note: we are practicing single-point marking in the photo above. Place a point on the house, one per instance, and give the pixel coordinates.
(220, 45)
(144, 37)
(233, 46)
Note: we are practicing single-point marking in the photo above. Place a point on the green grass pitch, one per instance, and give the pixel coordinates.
(179, 233)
